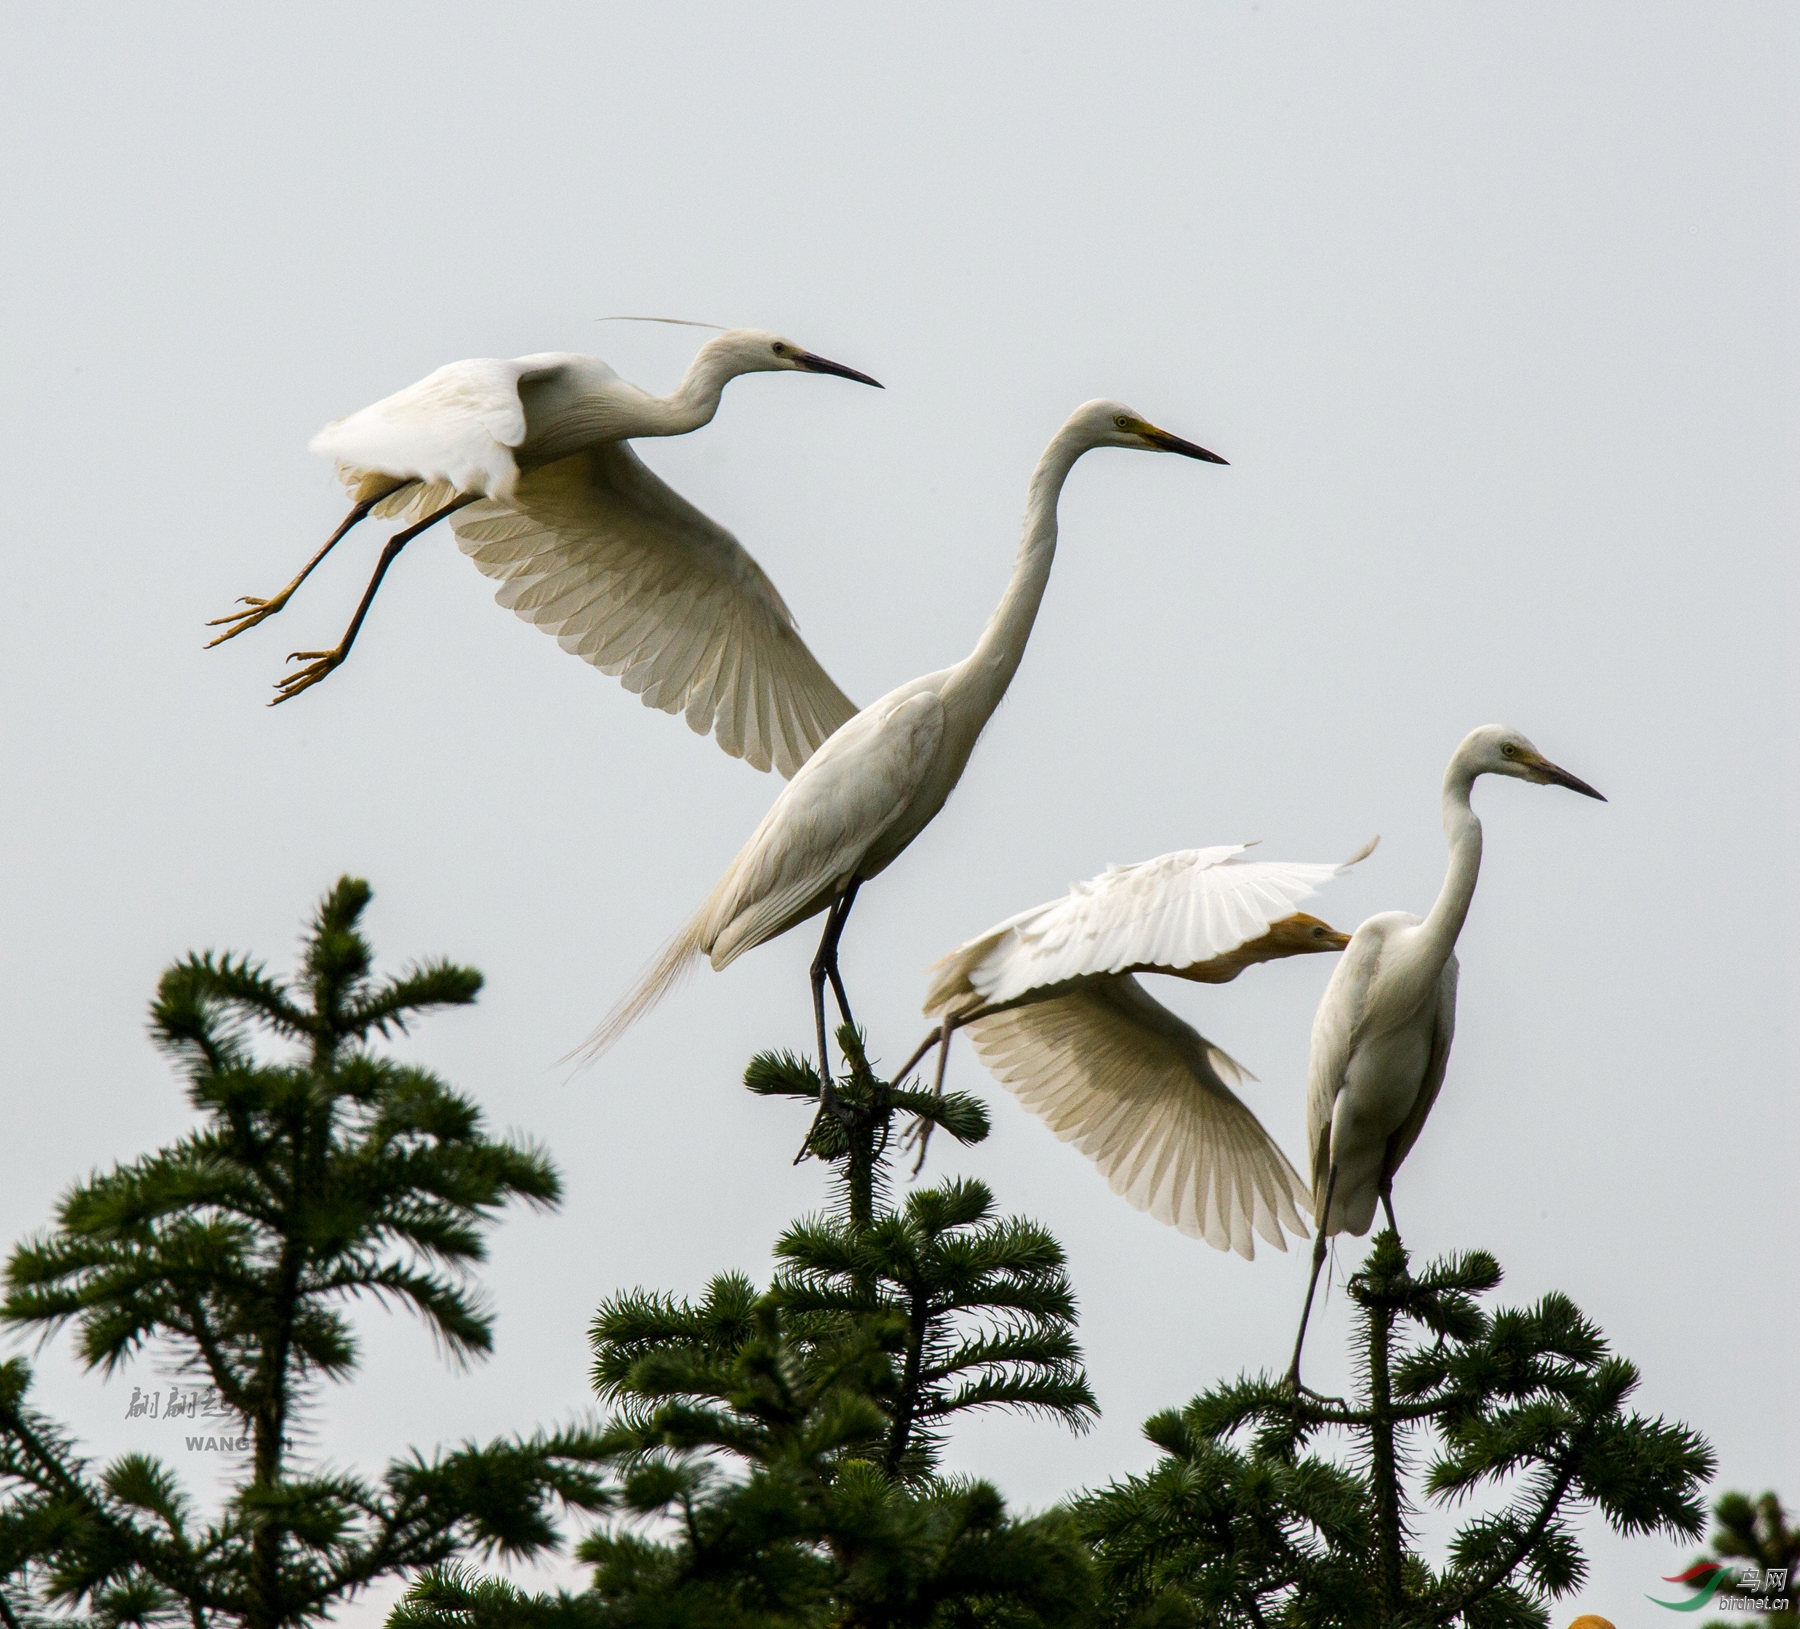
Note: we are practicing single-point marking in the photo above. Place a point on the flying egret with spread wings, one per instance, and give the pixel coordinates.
(529, 461)
(878, 782)
(1381, 1036)
(1053, 1007)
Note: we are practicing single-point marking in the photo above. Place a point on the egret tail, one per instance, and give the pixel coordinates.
(672, 964)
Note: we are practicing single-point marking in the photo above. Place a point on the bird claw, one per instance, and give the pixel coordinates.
(319, 663)
(1299, 1391)
(236, 622)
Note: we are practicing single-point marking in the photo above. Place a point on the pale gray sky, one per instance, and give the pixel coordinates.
(1490, 307)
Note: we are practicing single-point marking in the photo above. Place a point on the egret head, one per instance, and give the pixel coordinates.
(1301, 935)
(1497, 749)
(756, 350)
(1112, 424)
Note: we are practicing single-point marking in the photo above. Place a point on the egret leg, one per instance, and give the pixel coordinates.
(1312, 1283)
(831, 966)
(260, 610)
(824, 967)
(919, 1051)
(1387, 1204)
(321, 662)
(937, 1089)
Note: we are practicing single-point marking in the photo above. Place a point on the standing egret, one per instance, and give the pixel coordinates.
(530, 458)
(877, 783)
(1053, 1009)
(1381, 1036)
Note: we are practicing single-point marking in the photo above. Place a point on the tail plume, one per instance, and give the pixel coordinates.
(672, 964)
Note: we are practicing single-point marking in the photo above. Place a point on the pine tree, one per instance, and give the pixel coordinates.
(1756, 1533)
(1241, 1525)
(335, 1173)
(774, 1452)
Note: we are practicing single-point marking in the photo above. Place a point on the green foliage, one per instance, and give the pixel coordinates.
(774, 1453)
(984, 1308)
(1756, 1532)
(331, 1174)
(1240, 1524)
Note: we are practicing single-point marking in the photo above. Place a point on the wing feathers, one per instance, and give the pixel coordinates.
(1111, 1070)
(1176, 911)
(628, 575)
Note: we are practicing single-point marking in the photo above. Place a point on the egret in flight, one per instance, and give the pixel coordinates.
(1381, 1036)
(529, 461)
(877, 783)
(1054, 1009)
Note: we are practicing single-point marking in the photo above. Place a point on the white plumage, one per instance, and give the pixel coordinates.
(1051, 1006)
(1381, 1036)
(857, 803)
(528, 459)
(631, 577)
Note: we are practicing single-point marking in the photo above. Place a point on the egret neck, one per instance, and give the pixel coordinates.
(696, 398)
(1438, 932)
(978, 682)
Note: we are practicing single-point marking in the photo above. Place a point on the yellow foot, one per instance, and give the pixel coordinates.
(235, 623)
(318, 664)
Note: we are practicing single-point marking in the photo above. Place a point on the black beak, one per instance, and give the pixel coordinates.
(818, 364)
(1164, 442)
(1561, 777)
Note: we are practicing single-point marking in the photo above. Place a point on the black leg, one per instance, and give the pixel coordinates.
(1318, 1261)
(944, 1034)
(919, 1051)
(260, 610)
(824, 967)
(831, 966)
(321, 662)
(1387, 1204)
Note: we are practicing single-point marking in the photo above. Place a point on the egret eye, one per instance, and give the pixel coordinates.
(1509, 750)
(779, 349)
(1122, 420)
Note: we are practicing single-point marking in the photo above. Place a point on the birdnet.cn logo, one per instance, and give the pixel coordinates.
(1757, 1589)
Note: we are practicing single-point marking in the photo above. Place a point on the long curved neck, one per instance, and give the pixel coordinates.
(696, 398)
(980, 679)
(1440, 929)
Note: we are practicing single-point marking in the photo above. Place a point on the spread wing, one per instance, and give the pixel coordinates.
(1141, 1093)
(1174, 911)
(454, 432)
(630, 576)
(1443, 1031)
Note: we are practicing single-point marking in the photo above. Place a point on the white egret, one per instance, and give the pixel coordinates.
(1053, 1008)
(530, 458)
(877, 783)
(1381, 1036)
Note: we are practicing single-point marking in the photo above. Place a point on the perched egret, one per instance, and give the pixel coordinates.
(530, 458)
(1381, 1036)
(879, 781)
(1053, 1008)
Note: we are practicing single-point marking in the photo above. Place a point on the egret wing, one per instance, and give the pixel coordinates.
(1175, 911)
(630, 576)
(453, 432)
(1443, 1031)
(1111, 1070)
(817, 833)
(804, 853)
(1333, 1037)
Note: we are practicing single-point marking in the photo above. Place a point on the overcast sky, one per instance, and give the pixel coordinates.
(1490, 308)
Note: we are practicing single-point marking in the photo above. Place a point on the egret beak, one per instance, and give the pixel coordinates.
(1548, 774)
(818, 364)
(1162, 441)
(1337, 940)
